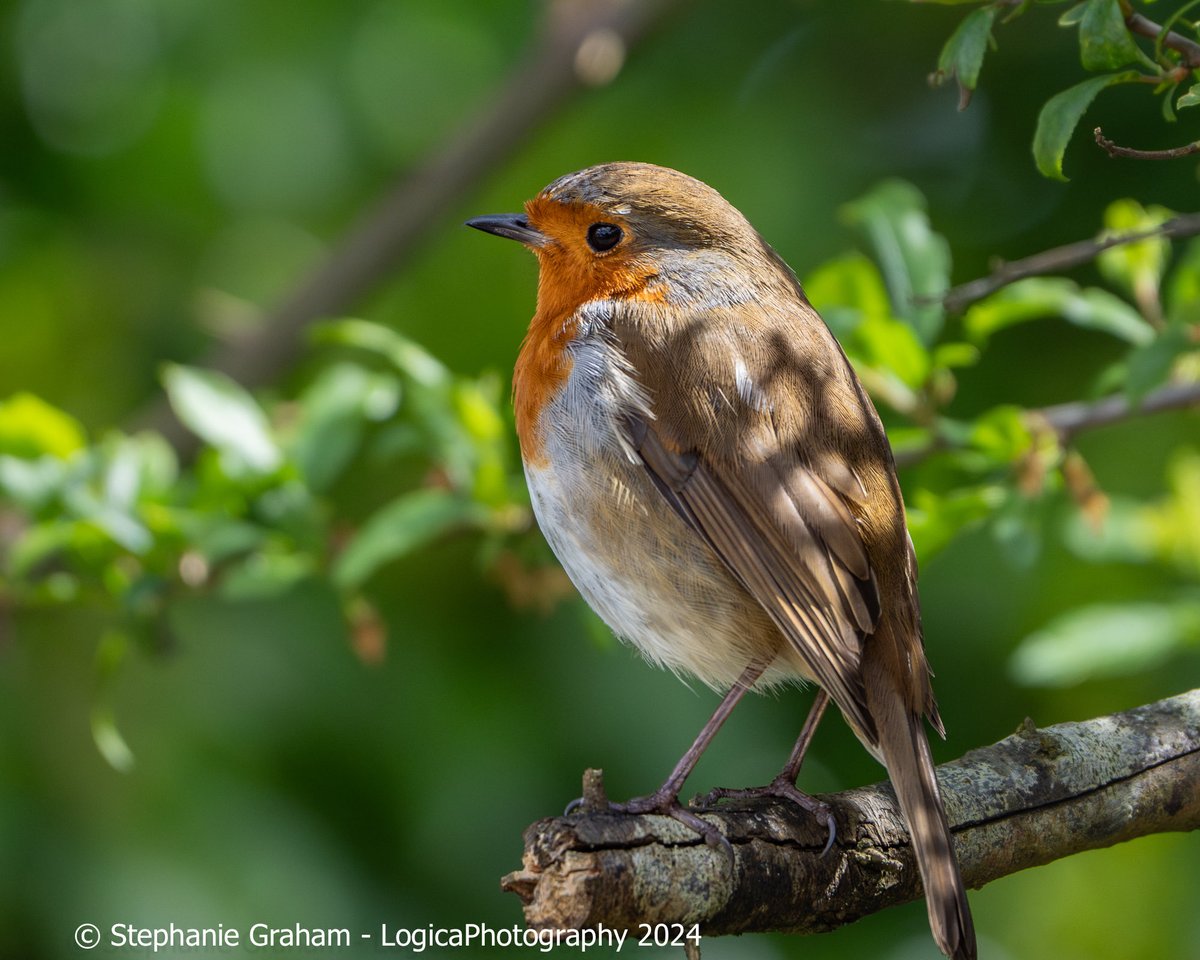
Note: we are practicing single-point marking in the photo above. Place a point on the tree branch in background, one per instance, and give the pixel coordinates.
(1116, 150)
(1069, 419)
(1032, 798)
(582, 42)
(1188, 49)
(1061, 258)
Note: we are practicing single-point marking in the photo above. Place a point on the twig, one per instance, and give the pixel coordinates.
(388, 231)
(1116, 150)
(1188, 49)
(1061, 258)
(1069, 419)
(1032, 798)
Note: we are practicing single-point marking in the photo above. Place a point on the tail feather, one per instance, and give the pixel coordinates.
(905, 752)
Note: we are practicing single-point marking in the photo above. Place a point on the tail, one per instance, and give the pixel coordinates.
(905, 752)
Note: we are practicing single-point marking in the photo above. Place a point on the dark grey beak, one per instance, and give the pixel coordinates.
(511, 225)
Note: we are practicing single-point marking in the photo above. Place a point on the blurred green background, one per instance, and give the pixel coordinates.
(169, 168)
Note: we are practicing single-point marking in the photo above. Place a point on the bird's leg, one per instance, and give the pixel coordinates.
(791, 769)
(784, 785)
(665, 799)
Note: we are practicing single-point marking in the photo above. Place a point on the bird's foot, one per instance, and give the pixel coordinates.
(666, 803)
(782, 788)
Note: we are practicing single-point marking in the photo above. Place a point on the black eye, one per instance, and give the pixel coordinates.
(603, 236)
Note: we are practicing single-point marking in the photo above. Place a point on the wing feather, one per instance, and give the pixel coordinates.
(775, 539)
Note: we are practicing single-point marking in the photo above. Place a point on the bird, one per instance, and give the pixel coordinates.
(711, 474)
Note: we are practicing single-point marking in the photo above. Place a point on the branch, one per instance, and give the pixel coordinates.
(1116, 150)
(1188, 49)
(387, 233)
(1069, 419)
(1062, 258)
(1032, 798)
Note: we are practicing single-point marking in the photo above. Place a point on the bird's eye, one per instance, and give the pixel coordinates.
(603, 236)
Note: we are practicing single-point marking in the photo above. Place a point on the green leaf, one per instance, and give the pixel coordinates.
(1137, 268)
(850, 294)
(268, 574)
(1182, 295)
(891, 345)
(407, 356)
(1039, 297)
(218, 538)
(31, 484)
(1150, 364)
(1072, 16)
(914, 259)
(1126, 536)
(1059, 117)
(477, 404)
(1176, 520)
(222, 413)
(934, 521)
(1168, 108)
(1104, 640)
(962, 56)
(123, 529)
(110, 654)
(30, 427)
(429, 394)
(1190, 98)
(1017, 528)
(408, 522)
(39, 544)
(1104, 40)
(109, 741)
(136, 468)
(1002, 434)
(334, 412)
(847, 289)
(956, 354)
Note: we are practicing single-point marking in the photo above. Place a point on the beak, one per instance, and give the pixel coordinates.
(515, 226)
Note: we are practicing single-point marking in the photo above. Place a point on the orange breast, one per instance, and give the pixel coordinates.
(570, 275)
(541, 371)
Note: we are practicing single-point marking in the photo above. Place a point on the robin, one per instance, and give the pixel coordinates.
(711, 474)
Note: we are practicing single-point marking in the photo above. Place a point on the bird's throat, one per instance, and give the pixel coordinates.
(541, 371)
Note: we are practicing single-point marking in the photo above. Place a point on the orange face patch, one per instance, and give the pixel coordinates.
(571, 274)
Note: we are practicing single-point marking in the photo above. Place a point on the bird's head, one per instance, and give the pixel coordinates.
(636, 231)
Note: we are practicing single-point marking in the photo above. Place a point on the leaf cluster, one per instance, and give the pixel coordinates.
(996, 468)
(119, 525)
(1116, 43)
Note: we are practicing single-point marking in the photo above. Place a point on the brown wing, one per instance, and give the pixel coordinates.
(793, 544)
(763, 440)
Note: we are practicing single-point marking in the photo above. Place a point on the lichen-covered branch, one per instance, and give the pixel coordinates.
(1034, 797)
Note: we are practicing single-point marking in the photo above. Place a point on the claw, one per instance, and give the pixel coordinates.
(832, 834)
(712, 836)
(669, 806)
(784, 789)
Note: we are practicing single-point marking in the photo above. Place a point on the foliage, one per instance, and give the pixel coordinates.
(121, 524)
(313, 663)
(1108, 42)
